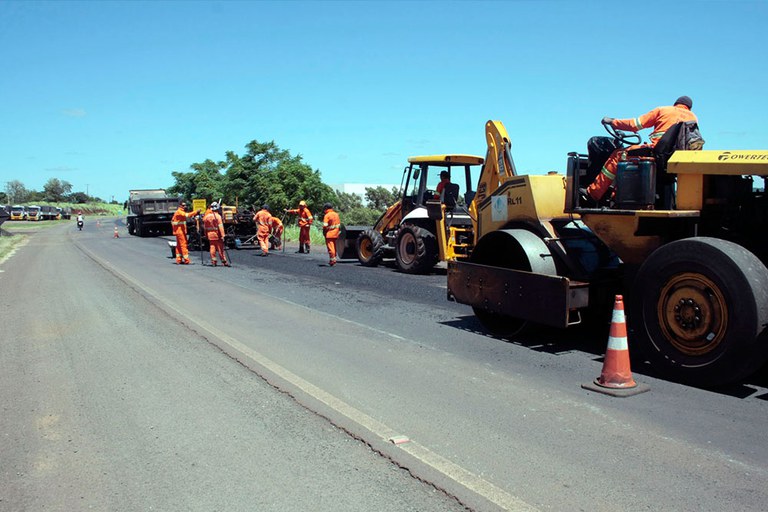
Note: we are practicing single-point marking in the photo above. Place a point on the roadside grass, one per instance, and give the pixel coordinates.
(21, 226)
(8, 244)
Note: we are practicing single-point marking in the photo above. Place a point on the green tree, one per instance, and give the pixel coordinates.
(379, 198)
(78, 198)
(205, 181)
(346, 201)
(56, 190)
(268, 174)
(16, 191)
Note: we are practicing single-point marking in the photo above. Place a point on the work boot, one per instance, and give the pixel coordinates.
(226, 263)
(306, 248)
(185, 262)
(332, 262)
(213, 263)
(300, 251)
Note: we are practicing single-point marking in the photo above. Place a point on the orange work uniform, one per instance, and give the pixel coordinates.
(277, 232)
(305, 221)
(214, 231)
(660, 118)
(263, 221)
(331, 230)
(179, 227)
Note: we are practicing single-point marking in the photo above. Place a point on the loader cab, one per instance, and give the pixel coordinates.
(422, 176)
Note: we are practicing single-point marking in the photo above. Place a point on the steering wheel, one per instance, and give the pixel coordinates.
(623, 138)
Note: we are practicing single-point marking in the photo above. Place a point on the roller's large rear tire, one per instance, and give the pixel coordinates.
(416, 250)
(370, 248)
(698, 311)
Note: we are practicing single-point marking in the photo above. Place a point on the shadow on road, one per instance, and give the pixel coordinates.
(592, 339)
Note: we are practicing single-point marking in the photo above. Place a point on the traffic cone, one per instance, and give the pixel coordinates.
(117, 235)
(616, 376)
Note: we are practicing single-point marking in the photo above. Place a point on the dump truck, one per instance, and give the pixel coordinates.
(150, 212)
(423, 227)
(49, 213)
(682, 239)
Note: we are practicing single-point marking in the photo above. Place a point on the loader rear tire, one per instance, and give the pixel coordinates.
(699, 310)
(416, 250)
(370, 248)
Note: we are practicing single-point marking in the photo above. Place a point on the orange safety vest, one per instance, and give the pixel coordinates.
(213, 225)
(179, 221)
(661, 118)
(263, 220)
(305, 216)
(331, 224)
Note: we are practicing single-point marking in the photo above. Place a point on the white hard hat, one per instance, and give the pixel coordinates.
(214, 205)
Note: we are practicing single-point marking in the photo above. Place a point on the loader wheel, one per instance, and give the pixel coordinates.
(699, 311)
(515, 249)
(416, 250)
(370, 248)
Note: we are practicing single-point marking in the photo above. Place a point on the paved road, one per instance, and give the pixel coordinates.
(109, 404)
(497, 425)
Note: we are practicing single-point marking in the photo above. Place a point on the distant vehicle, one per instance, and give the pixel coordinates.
(5, 213)
(33, 213)
(150, 212)
(66, 213)
(49, 213)
(18, 212)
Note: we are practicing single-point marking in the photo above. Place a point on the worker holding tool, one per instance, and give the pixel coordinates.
(214, 231)
(277, 234)
(179, 227)
(263, 221)
(305, 221)
(331, 230)
(660, 118)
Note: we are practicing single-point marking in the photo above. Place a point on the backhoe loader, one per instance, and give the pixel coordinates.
(682, 237)
(422, 227)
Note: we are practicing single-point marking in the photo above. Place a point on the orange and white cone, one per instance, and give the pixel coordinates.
(117, 235)
(616, 376)
(616, 370)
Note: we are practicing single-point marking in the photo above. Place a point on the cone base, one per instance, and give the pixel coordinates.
(620, 392)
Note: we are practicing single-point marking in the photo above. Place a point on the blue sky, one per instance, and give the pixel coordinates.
(112, 95)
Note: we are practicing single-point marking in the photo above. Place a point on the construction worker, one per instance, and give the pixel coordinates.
(305, 221)
(277, 234)
(179, 227)
(331, 230)
(445, 179)
(214, 231)
(263, 221)
(660, 118)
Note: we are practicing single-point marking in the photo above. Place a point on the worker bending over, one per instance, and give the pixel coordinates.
(660, 118)
(277, 234)
(331, 230)
(179, 227)
(263, 221)
(214, 231)
(305, 221)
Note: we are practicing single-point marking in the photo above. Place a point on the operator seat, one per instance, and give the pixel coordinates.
(450, 195)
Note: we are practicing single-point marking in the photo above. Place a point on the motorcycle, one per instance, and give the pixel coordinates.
(80, 225)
